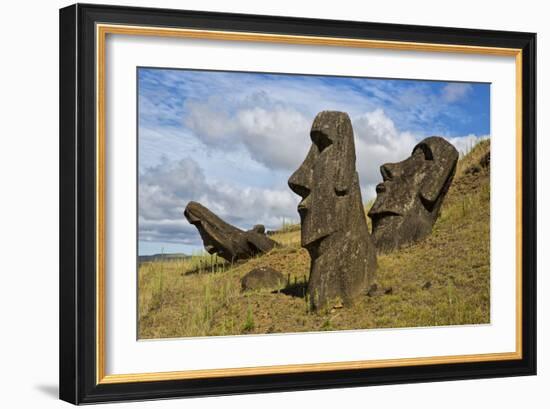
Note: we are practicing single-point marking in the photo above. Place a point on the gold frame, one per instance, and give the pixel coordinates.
(102, 30)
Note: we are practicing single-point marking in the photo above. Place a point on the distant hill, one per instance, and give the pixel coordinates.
(159, 257)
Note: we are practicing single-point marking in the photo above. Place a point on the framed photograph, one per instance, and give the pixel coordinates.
(257, 203)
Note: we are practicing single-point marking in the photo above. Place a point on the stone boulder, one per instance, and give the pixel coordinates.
(225, 240)
(333, 223)
(262, 278)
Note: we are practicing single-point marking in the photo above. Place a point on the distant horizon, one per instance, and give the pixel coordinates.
(230, 140)
(165, 254)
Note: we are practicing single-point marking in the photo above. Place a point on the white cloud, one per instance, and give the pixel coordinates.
(277, 138)
(378, 141)
(464, 144)
(277, 135)
(274, 134)
(455, 91)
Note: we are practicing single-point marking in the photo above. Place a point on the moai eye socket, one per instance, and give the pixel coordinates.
(321, 140)
(425, 149)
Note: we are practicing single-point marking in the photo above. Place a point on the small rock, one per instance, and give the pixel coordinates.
(472, 170)
(372, 290)
(263, 278)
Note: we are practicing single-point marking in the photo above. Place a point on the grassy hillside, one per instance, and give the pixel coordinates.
(443, 280)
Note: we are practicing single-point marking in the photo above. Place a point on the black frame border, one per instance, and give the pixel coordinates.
(77, 380)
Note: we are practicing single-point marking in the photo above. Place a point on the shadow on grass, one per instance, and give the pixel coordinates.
(294, 289)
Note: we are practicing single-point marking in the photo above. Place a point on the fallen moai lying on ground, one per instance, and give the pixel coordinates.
(225, 240)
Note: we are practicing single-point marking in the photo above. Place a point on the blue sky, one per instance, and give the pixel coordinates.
(230, 140)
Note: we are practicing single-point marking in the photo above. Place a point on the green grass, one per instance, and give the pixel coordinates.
(443, 280)
(249, 323)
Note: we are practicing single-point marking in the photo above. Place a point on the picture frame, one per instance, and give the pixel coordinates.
(83, 218)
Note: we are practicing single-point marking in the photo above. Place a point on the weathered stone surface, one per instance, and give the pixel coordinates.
(334, 229)
(410, 196)
(225, 240)
(263, 278)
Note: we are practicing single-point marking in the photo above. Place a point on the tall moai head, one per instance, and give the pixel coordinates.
(325, 178)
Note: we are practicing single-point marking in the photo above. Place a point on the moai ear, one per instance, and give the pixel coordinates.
(435, 182)
(442, 158)
(345, 151)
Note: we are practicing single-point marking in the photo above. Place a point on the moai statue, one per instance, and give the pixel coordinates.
(334, 227)
(225, 240)
(410, 197)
